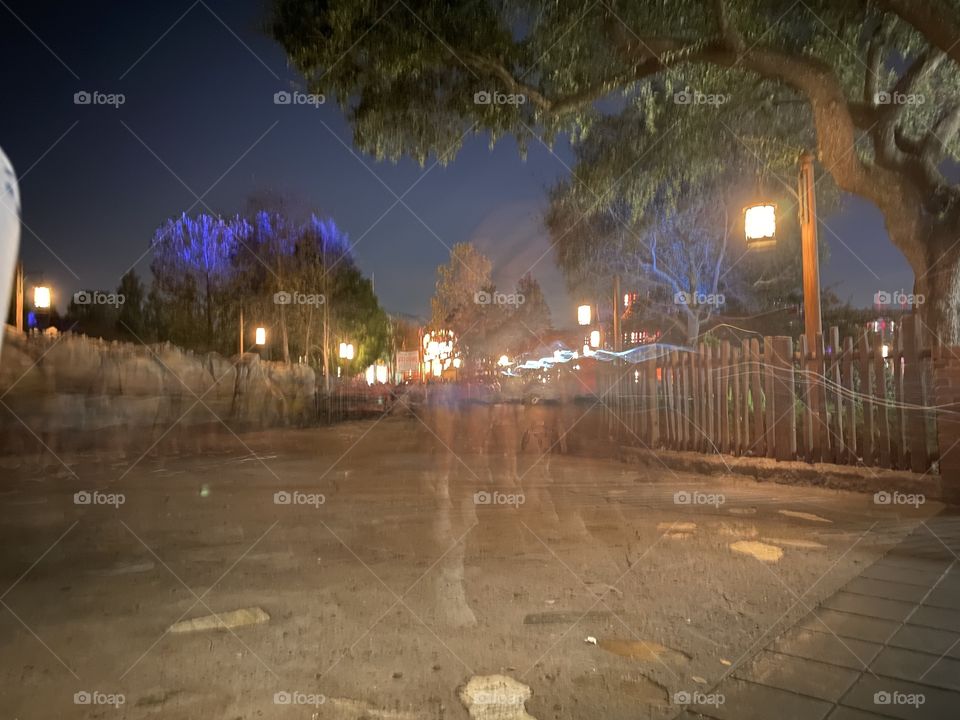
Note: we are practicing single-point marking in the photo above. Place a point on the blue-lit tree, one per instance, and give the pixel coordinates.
(298, 278)
(193, 271)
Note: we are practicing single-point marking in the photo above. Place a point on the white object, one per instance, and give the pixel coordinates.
(9, 233)
(591, 640)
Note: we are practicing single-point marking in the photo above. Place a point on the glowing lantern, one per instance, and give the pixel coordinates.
(260, 336)
(760, 225)
(595, 338)
(583, 315)
(41, 297)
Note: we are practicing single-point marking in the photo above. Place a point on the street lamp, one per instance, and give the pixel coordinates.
(346, 351)
(41, 297)
(260, 336)
(760, 225)
(583, 315)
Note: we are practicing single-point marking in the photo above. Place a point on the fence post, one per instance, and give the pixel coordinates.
(768, 393)
(784, 399)
(883, 417)
(652, 404)
(722, 401)
(866, 392)
(836, 419)
(946, 396)
(851, 426)
(805, 394)
(913, 394)
(758, 446)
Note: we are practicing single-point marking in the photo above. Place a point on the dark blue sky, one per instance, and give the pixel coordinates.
(199, 96)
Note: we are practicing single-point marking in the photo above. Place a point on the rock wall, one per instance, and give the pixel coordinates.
(75, 393)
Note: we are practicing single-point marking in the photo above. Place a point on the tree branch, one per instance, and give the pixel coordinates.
(931, 18)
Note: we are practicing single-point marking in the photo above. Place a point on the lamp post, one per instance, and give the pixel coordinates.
(42, 296)
(760, 226)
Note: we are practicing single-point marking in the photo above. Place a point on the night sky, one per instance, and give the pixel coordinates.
(198, 80)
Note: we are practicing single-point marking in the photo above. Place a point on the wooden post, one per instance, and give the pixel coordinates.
(759, 442)
(709, 415)
(697, 388)
(746, 367)
(836, 420)
(898, 444)
(866, 391)
(850, 444)
(784, 403)
(769, 365)
(913, 394)
(18, 290)
(722, 401)
(880, 388)
(735, 405)
(617, 335)
(811, 258)
(805, 393)
(820, 406)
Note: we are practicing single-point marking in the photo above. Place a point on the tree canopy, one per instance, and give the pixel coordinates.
(672, 86)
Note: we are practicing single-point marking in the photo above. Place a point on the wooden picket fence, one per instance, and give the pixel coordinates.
(843, 402)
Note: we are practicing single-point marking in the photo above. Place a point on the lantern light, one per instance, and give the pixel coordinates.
(760, 225)
(41, 297)
(260, 336)
(595, 338)
(583, 315)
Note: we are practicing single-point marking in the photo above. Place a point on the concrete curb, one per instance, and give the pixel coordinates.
(837, 477)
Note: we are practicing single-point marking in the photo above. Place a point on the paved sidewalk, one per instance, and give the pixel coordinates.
(886, 645)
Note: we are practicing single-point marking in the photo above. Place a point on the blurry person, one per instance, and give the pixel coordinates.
(9, 233)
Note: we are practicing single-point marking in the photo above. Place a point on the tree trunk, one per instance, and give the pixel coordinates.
(937, 287)
(693, 329)
(283, 332)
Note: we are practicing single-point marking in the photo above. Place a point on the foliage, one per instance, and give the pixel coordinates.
(676, 92)
(131, 324)
(487, 322)
(293, 278)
